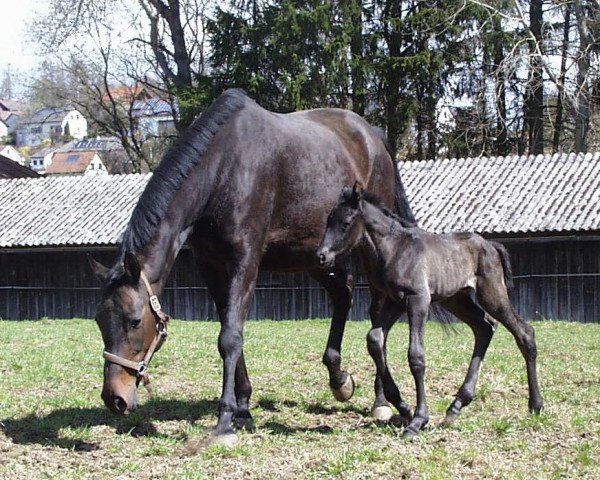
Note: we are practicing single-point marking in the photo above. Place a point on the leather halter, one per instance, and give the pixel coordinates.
(141, 368)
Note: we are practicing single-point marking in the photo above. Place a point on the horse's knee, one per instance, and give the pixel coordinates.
(230, 341)
(416, 361)
(375, 341)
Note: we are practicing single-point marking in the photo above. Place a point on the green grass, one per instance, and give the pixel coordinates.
(54, 425)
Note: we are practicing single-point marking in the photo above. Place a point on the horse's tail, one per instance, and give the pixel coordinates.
(401, 205)
(506, 266)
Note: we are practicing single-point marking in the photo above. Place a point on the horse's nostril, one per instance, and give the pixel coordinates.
(120, 405)
(321, 258)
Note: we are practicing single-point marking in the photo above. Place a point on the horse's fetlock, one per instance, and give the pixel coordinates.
(331, 358)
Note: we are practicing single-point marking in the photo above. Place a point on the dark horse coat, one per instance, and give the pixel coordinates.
(247, 189)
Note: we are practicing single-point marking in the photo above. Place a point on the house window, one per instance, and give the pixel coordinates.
(72, 158)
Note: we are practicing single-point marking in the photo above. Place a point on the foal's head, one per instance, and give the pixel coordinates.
(345, 226)
(128, 329)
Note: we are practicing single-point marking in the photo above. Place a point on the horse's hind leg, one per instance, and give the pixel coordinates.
(376, 339)
(339, 285)
(493, 297)
(464, 307)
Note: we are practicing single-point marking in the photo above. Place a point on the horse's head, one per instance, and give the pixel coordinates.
(344, 226)
(132, 329)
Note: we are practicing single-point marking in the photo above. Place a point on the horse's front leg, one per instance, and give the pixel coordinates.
(418, 307)
(339, 285)
(232, 287)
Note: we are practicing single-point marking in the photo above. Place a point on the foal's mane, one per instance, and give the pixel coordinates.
(376, 201)
(174, 168)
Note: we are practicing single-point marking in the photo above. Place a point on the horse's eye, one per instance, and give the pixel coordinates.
(136, 322)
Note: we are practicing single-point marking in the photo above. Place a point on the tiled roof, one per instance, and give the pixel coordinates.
(11, 169)
(70, 162)
(487, 195)
(70, 210)
(506, 194)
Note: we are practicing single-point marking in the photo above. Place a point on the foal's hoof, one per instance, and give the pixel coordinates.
(345, 392)
(228, 440)
(382, 413)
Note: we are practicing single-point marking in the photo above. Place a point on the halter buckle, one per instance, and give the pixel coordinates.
(155, 304)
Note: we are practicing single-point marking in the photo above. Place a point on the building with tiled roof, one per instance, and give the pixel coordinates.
(74, 162)
(51, 124)
(545, 209)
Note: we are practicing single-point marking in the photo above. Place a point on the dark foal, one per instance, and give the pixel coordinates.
(465, 273)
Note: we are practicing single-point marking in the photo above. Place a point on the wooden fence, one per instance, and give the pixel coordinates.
(554, 279)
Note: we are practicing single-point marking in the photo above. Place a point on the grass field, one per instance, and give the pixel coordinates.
(54, 425)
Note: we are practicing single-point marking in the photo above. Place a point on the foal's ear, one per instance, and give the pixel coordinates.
(357, 191)
(99, 270)
(132, 267)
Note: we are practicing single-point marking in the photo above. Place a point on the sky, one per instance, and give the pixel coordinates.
(14, 50)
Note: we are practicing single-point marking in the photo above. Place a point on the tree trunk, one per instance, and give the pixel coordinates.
(356, 61)
(535, 95)
(502, 147)
(582, 101)
(558, 122)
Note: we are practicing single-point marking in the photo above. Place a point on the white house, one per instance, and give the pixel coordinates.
(51, 124)
(41, 159)
(11, 152)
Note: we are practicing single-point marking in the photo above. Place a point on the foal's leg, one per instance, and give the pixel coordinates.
(339, 284)
(376, 338)
(463, 306)
(493, 297)
(418, 307)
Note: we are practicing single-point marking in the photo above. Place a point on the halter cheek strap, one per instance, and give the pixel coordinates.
(141, 368)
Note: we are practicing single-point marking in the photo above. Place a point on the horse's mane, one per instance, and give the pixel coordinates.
(173, 169)
(376, 201)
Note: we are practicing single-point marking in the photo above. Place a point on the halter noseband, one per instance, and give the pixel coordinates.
(141, 368)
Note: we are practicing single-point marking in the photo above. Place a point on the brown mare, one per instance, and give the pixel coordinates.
(247, 189)
(465, 273)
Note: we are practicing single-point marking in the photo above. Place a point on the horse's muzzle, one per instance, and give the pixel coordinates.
(326, 257)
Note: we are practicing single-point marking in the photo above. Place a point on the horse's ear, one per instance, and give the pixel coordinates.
(99, 270)
(357, 191)
(132, 267)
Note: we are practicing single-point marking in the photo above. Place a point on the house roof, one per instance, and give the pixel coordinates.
(47, 115)
(67, 211)
(10, 105)
(151, 107)
(516, 194)
(11, 169)
(70, 162)
(488, 195)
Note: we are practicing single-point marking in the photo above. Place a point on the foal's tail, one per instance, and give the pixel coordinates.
(506, 266)
(401, 205)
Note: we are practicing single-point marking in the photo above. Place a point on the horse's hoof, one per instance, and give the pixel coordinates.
(409, 434)
(345, 392)
(228, 440)
(382, 413)
(243, 423)
(449, 420)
